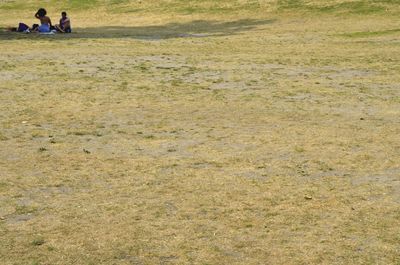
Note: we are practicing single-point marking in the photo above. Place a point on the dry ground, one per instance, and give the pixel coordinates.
(201, 139)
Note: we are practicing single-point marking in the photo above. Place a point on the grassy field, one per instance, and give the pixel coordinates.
(201, 132)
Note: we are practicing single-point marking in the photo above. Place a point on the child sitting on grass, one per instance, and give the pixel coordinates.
(65, 24)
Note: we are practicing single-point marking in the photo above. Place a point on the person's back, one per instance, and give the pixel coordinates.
(45, 21)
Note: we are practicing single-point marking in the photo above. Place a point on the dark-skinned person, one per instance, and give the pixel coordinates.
(65, 24)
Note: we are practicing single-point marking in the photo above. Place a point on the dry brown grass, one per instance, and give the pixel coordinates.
(245, 140)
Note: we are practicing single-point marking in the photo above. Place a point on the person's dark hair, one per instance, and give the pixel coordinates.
(64, 13)
(41, 12)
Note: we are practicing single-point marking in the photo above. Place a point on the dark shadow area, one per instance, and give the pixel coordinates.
(198, 28)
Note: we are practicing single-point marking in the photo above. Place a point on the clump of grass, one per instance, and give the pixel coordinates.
(37, 134)
(3, 185)
(84, 132)
(123, 86)
(38, 241)
(51, 248)
(142, 67)
(3, 137)
(23, 209)
(299, 149)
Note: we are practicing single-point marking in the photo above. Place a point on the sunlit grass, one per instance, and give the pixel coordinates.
(201, 132)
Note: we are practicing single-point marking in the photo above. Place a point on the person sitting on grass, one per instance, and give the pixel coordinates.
(65, 24)
(45, 21)
(22, 27)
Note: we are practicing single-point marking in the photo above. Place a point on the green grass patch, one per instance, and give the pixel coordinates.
(348, 7)
(359, 7)
(211, 7)
(366, 34)
(38, 241)
(13, 5)
(23, 209)
(3, 137)
(78, 4)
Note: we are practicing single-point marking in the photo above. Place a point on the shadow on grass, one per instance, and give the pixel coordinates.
(198, 28)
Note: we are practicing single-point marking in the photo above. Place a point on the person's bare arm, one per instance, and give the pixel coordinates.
(67, 24)
(59, 28)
